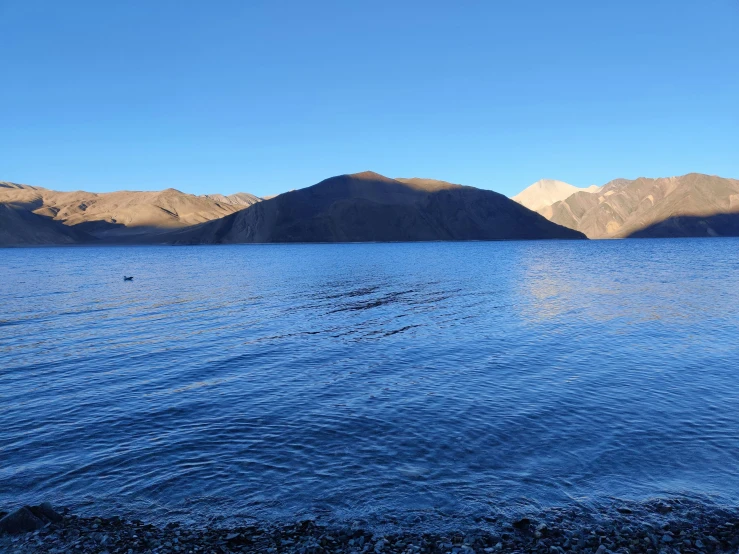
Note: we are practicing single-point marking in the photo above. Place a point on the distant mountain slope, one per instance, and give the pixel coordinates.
(546, 192)
(370, 207)
(114, 216)
(239, 199)
(675, 206)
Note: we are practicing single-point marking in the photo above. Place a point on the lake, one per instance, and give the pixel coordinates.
(420, 383)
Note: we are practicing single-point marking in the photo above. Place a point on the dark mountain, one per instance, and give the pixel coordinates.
(369, 207)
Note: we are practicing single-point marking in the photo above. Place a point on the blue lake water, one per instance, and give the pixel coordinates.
(427, 383)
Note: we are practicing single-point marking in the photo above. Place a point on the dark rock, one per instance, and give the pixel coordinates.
(46, 512)
(20, 521)
(522, 524)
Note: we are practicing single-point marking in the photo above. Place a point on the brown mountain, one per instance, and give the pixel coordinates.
(42, 216)
(369, 207)
(687, 206)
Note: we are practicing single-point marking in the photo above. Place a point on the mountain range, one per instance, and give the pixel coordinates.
(347, 208)
(370, 207)
(692, 205)
(33, 215)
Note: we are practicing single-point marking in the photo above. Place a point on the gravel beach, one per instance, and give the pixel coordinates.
(652, 527)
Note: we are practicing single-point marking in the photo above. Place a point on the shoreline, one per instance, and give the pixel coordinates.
(652, 527)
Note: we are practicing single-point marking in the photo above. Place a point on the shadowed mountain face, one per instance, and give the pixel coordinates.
(719, 225)
(369, 207)
(19, 226)
(687, 206)
(42, 216)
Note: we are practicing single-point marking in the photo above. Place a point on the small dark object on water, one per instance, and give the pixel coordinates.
(127, 278)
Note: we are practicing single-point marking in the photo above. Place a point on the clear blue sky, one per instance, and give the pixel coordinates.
(265, 96)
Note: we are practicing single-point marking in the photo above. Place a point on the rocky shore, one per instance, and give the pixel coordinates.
(654, 528)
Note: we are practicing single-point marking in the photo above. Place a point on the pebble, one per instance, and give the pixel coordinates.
(612, 531)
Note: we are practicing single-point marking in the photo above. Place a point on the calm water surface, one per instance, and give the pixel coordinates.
(423, 382)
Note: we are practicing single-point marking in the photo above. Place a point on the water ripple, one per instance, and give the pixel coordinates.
(365, 382)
